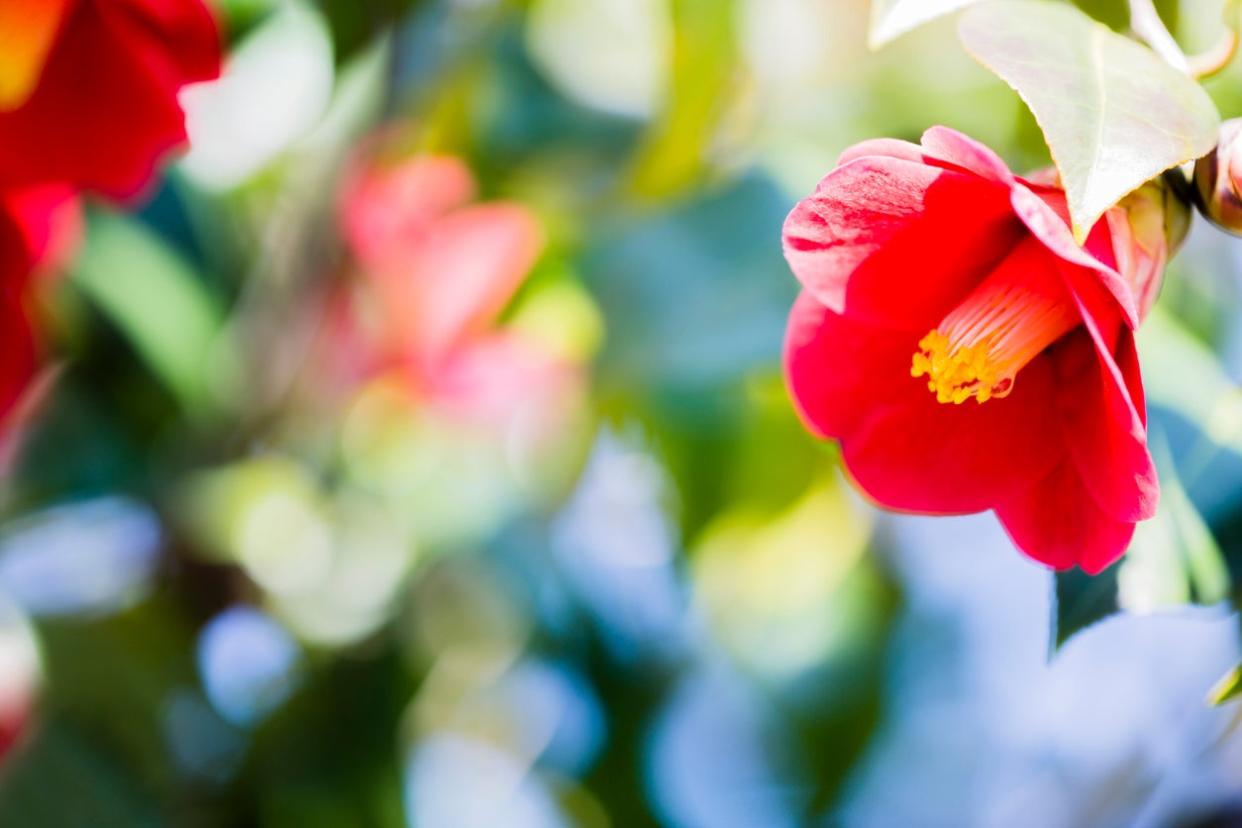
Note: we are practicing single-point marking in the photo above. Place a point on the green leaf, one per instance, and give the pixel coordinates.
(1113, 114)
(892, 18)
(703, 72)
(1080, 600)
(156, 300)
(1183, 375)
(1174, 558)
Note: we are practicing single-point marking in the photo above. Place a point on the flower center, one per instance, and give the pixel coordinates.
(978, 349)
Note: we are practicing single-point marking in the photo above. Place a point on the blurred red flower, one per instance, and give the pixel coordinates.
(88, 88)
(441, 271)
(967, 353)
(38, 227)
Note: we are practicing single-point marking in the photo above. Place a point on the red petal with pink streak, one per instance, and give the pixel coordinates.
(888, 147)
(1058, 523)
(851, 380)
(963, 151)
(892, 241)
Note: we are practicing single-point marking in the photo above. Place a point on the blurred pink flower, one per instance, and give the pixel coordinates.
(440, 271)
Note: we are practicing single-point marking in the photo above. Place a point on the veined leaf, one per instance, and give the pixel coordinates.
(1113, 113)
(892, 18)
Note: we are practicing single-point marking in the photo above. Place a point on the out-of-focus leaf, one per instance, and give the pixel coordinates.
(1113, 113)
(1182, 374)
(1228, 688)
(103, 792)
(893, 18)
(156, 300)
(704, 64)
(1174, 558)
(1080, 600)
(774, 586)
(610, 54)
(355, 22)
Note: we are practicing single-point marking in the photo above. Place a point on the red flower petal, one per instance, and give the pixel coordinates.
(105, 111)
(851, 380)
(17, 257)
(887, 147)
(1053, 230)
(1057, 522)
(28, 29)
(861, 243)
(918, 455)
(837, 366)
(965, 152)
(180, 35)
(1104, 430)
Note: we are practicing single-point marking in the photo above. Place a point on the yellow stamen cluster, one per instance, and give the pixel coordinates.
(957, 374)
(1009, 319)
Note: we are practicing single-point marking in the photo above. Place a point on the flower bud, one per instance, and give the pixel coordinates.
(1147, 228)
(1218, 179)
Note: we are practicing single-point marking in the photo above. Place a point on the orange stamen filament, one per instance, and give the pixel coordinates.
(978, 349)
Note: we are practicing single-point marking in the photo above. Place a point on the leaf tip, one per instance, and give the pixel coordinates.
(1227, 689)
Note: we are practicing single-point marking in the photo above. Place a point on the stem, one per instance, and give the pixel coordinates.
(1219, 56)
(1146, 23)
(1206, 64)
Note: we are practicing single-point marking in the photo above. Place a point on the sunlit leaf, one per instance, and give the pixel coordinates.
(703, 72)
(893, 18)
(1113, 113)
(1228, 688)
(1181, 374)
(1174, 558)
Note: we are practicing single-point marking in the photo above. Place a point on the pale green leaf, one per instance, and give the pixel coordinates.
(1174, 559)
(1183, 375)
(892, 18)
(1114, 114)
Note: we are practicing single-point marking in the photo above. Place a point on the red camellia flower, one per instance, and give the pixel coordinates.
(966, 353)
(88, 88)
